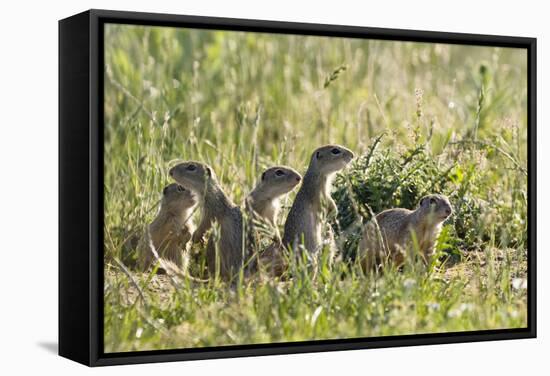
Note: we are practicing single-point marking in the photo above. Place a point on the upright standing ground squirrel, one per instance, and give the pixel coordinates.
(263, 205)
(171, 229)
(394, 232)
(216, 207)
(264, 199)
(305, 216)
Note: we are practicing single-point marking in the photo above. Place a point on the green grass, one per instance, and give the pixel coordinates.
(422, 118)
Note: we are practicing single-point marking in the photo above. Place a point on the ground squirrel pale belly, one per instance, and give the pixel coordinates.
(389, 236)
(171, 229)
(216, 208)
(304, 221)
(262, 206)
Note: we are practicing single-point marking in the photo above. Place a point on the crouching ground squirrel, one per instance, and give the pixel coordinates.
(216, 207)
(394, 232)
(303, 223)
(171, 229)
(263, 205)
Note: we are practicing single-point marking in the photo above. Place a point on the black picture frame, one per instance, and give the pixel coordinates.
(81, 186)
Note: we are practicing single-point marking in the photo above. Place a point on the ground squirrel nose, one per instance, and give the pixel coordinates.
(298, 178)
(448, 211)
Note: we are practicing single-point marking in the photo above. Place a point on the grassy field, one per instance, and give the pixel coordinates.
(422, 118)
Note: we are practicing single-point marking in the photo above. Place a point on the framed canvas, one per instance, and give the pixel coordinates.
(235, 187)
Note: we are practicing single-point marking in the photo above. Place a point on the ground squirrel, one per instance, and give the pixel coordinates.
(304, 219)
(216, 207)
(262, 206)
(275, 182)
(394, 232)
(171, 229)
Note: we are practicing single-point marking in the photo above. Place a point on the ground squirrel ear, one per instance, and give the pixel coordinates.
(422, 201)
(263, 176)
(318, 155)
(165, 190)
(208, 171)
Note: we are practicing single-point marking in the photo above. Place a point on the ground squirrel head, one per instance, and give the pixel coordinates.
(176, 198)
(277, 181)
(329, 159)
(193, 175)
(436, 207)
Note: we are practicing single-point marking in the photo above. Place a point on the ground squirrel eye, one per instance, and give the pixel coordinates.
(191, 168)
(279, 173)
(335, 151)
(181, 189)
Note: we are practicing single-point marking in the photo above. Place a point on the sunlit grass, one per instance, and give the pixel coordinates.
(422, 118)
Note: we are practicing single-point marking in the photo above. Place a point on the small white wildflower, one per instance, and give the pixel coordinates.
(139, 332)
(454, 313)
(409, 283)
(451, 105)
(154, 92)
(464, 307)
(519, 283)
(433, 306)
